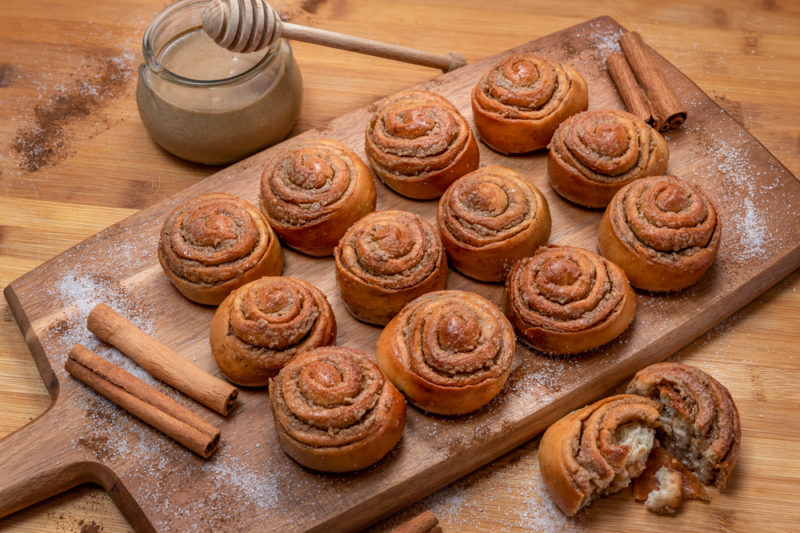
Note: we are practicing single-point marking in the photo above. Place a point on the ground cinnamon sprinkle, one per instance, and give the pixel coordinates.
(90, 527)
(44, 140)
(6, 71)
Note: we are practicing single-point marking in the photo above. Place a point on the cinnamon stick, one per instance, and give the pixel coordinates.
(143, 401)
(161, 361)
(633, 96)
(668, 111)
(425, 522)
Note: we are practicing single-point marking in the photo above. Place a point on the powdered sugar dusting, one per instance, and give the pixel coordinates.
(259, 487)
(604, 39)
(540, 512)
(525, 504)
(733, 164)
(750, 191)
(78, 292)
(755, 238)
(81, 284)
(449, 502)
(541, 382)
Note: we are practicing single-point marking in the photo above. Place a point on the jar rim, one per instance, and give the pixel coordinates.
(151, 60)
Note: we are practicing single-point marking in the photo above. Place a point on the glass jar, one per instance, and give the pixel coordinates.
(206, 104)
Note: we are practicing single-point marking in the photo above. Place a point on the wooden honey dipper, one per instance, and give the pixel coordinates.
(250, 25)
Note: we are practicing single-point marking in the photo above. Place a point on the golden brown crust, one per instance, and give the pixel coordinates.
(491, 218)
(261, 326)
(418, 144)
(335, 411)
(595, 153)
(582, 455)
(685, 484)
(313, 192)
(385, 260)
(566, 300)
(215, 243)
(520, 102)
(449, 352)
(663, 231)
(697, 404)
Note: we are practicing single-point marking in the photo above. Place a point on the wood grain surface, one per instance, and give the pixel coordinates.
(102, 165)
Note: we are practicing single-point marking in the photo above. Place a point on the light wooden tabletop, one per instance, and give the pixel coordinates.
(75, 158)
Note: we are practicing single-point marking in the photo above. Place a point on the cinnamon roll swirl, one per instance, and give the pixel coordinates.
(520, 102)
(449, 352)
(663, 231)
(312, 193)
(489, 219)
(566, 300)
(595, 153)
(385, 260)
(261, 326)
(213, 244)
(418, 144)
(597, 450)
(335, 411)
(699, 422)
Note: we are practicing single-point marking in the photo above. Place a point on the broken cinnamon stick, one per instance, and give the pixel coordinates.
(668, 111)
(161, 361)
(425, 522)
(632, 95)
(143, 401)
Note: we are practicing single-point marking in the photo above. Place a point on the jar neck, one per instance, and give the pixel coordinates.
(179, 19)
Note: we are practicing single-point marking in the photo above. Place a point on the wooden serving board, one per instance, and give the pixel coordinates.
(250, 483)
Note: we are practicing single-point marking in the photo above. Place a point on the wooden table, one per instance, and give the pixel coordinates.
(75, 158)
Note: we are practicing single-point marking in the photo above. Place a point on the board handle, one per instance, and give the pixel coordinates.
(35, 464)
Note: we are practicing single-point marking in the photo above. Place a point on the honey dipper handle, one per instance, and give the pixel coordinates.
(250, 25)
(445, 63)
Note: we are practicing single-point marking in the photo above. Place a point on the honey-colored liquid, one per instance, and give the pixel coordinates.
(194, 55)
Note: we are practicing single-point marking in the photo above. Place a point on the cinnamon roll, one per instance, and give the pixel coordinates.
(312, 193)
(335, 411)
(566, 300)
(699, 422)
(520, 102)
(213, 244)
(663, 231)
(489, 219)
(261, 326)
(418, 144)
(449, 352)
(666, 482)
(385, 260)
(597, 450)
(595, 153)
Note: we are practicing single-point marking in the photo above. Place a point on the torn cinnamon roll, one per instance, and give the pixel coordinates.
(597, 450)
(699, 422)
